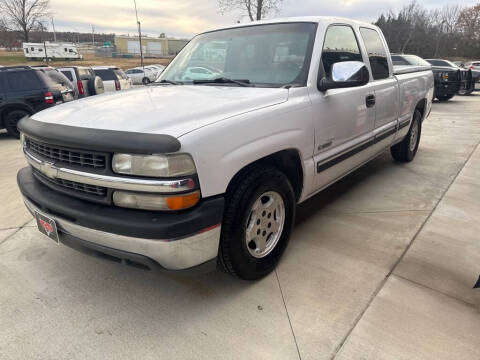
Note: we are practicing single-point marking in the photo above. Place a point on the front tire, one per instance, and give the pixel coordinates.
(259, 217)
(406, 150)
(145, 81)
(11, 121)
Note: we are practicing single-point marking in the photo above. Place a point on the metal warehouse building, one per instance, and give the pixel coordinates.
(151, 46)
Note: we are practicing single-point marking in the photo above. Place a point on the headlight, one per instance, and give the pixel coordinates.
(155, 202)
(154, 165)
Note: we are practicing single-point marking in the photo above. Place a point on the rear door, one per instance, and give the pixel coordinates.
(344, 122)
(385, 87)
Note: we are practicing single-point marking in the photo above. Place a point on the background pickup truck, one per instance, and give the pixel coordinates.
(186, 172)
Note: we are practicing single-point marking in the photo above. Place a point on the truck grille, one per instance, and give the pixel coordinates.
(60, 155)
(72, 185)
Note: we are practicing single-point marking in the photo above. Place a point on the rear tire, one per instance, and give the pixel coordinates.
(406, 150)
(258, 220)
(11, 120)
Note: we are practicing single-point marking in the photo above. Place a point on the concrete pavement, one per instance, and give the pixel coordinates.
(380, 266)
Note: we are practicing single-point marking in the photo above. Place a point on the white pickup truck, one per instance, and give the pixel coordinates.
(188, 172)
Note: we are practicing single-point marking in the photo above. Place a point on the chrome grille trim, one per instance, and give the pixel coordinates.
(115, 182)
(80, 158)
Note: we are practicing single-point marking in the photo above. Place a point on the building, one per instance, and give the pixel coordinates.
(151, 47)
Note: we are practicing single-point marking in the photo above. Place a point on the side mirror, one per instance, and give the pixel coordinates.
(344, 75)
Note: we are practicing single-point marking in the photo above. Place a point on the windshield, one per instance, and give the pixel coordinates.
(409, 60)
(442, 63)
(262, 55)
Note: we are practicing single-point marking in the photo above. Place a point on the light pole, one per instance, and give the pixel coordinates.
(54, 33)
(139, 35)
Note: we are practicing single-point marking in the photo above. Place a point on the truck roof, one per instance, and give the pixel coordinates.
(325, 20)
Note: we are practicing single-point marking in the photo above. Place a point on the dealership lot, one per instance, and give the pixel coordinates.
(380, 265)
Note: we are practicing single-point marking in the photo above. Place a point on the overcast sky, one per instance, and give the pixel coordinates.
(185, 18)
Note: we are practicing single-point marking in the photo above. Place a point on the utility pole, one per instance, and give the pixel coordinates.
(139, 36)
(93, 36)
(54, 33)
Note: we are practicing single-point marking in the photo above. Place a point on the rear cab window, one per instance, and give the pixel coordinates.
(377, 55)
(340, 45)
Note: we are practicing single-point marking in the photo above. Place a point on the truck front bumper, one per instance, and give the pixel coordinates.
(170, 241)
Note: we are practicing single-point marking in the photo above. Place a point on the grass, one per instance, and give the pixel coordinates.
(8, 58)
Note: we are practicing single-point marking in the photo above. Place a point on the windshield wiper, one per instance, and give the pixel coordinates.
(223, 80)
(164, 81)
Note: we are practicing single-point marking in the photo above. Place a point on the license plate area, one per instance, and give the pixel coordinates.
(47, 226)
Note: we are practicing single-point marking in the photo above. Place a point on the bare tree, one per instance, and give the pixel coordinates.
(411, 15)
(254, 9)
(23, 15)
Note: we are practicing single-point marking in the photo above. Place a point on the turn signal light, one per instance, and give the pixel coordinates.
(182, 201)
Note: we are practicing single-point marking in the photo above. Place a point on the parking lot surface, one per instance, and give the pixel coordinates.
(380, 266)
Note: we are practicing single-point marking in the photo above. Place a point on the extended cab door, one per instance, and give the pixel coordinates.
(344, 118)
(385, 87)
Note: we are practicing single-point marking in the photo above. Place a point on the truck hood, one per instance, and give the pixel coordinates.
(162, 109)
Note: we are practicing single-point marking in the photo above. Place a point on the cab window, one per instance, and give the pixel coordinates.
(340, 45)
(376, 53)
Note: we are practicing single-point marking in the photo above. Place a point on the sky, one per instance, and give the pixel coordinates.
(185, 18)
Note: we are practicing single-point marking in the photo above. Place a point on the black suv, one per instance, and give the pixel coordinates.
(25, 90)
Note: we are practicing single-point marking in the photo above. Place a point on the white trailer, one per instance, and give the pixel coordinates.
(41, 51)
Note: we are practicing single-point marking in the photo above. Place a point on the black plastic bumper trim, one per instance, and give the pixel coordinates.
(99, 139)
(122, 221)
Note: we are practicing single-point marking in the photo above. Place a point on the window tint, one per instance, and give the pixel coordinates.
(106, 74)
(399, 60)
(376, 53)
(438, 63)
(23, 80)
(68, 74)
(340, 45)
(58, 78)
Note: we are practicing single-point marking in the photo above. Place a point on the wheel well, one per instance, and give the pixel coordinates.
(287, 161)
(4, 111)
(422, 106)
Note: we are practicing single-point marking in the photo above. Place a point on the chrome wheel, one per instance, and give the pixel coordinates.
(413, 136)
(265, 224)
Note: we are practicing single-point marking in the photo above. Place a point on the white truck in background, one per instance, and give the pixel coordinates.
(186, 173)
(40, 51)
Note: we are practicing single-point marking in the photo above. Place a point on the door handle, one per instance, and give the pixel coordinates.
(370, 100)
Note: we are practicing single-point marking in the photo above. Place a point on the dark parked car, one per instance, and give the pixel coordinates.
(467, 81)
(25, 90)
(84, 80)
(447, 79)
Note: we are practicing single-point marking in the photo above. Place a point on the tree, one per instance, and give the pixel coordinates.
(254, 9)
(23, 15)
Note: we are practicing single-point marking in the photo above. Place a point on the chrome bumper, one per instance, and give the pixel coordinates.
(171, 254)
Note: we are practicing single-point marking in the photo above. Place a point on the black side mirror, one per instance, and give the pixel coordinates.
(344, 75)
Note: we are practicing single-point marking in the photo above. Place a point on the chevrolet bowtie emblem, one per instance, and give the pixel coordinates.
(49, 170)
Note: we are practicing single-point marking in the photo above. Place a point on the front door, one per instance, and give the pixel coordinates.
(344, 118)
